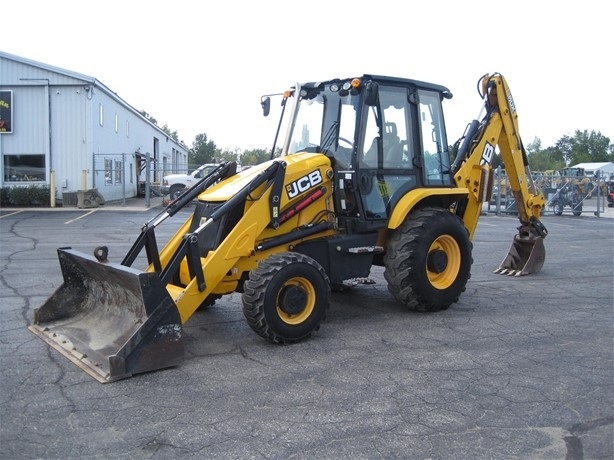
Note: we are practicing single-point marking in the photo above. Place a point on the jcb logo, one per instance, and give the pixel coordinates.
(489, 151)
(304, 183)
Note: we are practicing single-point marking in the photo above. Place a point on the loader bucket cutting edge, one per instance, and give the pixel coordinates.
(110, 320)
(526, 255)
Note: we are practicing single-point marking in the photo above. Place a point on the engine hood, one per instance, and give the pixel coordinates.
(297, 165)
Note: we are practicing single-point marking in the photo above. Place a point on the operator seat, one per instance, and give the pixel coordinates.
(393, 148)
(370, 156)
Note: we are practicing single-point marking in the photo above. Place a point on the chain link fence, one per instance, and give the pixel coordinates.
(119, 176)
(572, 194)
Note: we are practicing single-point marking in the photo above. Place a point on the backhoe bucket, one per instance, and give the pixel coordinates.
(111, 320)
(526, 256)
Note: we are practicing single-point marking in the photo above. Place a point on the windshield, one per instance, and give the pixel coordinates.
(308, 126)
(325, 122)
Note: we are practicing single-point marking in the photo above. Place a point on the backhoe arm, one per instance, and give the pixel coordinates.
(529, 199)
(472, 169)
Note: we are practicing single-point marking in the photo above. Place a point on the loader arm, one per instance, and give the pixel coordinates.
(239, 243)
(472, 169)
(218, 269)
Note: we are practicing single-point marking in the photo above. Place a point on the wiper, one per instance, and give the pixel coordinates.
(330, 136)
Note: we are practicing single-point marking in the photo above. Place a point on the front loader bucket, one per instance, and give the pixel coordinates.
(526, 256)
(111, 320)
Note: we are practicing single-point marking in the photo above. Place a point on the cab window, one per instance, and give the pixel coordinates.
(434, 143)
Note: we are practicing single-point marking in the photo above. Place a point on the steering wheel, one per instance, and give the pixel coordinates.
(347, 141)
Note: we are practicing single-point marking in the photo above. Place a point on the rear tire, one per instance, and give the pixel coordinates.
(428, 260)
(286, 297)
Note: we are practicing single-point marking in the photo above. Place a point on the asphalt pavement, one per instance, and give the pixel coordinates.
(519, 368)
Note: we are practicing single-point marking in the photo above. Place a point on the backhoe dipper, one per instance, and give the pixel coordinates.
(364, 177)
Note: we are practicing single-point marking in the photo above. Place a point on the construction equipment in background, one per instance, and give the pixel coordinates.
(572, 188)
(609, 184)
(365, 178)
(500, 200)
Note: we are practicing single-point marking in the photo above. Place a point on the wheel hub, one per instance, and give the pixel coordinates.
(292, 300)
(437, 261)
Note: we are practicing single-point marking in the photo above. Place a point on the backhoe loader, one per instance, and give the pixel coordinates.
(364, 177)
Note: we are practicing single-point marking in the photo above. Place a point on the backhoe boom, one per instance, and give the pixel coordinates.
(473, 169)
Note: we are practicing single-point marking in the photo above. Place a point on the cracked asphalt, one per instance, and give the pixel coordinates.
(519, 368)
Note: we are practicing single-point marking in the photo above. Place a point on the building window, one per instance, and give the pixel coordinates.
(127, 128)
(116, 123)
(24, 168)
(100, 115)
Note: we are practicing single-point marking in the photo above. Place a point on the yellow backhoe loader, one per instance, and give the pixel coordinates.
(363, 177)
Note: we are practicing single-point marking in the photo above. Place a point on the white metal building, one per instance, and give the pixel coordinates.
(70, 131)
(605, 169)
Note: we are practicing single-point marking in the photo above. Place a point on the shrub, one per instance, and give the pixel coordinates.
(5, 193)
(32, 195)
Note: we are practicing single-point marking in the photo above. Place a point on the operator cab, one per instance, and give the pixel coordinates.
(385, 136)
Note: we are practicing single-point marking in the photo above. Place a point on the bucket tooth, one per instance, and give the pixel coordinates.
(111, 320)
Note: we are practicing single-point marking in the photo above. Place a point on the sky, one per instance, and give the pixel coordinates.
(200, 67)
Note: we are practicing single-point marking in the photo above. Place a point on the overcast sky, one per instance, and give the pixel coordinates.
(201, 67)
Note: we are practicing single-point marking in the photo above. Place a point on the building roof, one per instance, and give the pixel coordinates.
(87, 79)
(594, 166)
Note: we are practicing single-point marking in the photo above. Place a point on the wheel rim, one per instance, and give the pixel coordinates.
(443, 262)
(296, 301)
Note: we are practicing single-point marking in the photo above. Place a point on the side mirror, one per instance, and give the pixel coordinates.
(371, 93)
(265, 102)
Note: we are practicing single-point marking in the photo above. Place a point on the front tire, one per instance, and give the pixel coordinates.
(286, 297)
(576, 205)
(428, 260)
(176, 191)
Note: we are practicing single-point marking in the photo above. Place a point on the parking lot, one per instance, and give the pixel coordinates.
(519, 368)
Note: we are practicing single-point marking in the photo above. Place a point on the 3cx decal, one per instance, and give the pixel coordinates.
(510, 101)
(304, 183)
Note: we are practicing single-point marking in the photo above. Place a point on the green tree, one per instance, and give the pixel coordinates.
(172, 134)
(585, 147)
(149, 117)
(203, 151)
(230, 155)
(543, 159)
(590, 147)
(254, 157)
(564, 148)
